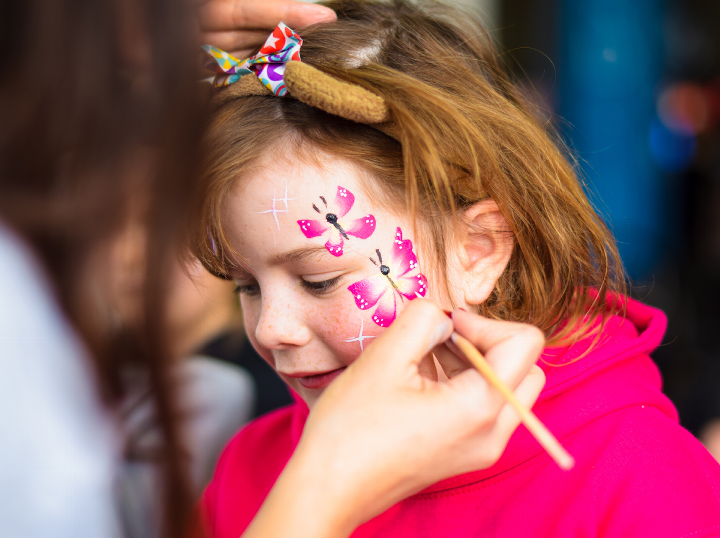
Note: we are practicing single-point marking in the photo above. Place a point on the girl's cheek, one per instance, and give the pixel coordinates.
(346, 329)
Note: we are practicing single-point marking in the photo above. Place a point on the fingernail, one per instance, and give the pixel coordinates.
(324, 13)
(448, 313)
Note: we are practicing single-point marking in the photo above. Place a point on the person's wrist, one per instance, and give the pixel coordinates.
(330, 493)
(350, 480)
(308, 501)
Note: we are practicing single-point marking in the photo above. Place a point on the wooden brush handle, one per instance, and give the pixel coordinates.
(546, 439)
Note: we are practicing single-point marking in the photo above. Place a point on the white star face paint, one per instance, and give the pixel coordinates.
(274, 210)
(360, 338)
(298, 310)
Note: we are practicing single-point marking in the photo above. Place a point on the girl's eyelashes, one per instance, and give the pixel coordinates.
(324, 286)
(247, 289)
(318, 288)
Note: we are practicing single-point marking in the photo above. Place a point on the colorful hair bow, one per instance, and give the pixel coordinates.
(277, 70)
(268, 65)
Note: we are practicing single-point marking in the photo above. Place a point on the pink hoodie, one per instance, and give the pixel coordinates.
(638, 473)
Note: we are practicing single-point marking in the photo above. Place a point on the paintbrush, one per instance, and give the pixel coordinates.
(546, 439)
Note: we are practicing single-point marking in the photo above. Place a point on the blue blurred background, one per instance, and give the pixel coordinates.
(634, 89)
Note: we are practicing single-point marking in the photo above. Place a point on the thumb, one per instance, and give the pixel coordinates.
(421, 326)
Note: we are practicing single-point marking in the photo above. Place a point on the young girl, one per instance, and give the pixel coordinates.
(408, 166)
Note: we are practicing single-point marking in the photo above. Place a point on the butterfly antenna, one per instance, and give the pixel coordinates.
(379, 255)
(374, 262)
(316, 209)
(324, 200)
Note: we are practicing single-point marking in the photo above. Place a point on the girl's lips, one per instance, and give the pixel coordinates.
(320, 381)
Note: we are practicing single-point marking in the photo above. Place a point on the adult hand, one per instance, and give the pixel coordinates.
(382, 431)
(240, 26)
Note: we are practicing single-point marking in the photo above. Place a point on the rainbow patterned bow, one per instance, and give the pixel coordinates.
(268, 65)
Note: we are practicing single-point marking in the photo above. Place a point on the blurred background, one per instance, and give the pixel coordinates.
(634, 89)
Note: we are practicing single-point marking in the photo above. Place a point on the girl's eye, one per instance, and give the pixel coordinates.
(324, 286)
(247, 289)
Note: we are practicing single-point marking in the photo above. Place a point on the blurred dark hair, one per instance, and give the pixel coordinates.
(91, 91)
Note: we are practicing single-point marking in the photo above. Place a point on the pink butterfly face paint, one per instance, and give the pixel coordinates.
(339, 231)
(297, 310)
(398, 277)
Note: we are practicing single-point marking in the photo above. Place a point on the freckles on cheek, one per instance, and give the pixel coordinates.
(347, 329)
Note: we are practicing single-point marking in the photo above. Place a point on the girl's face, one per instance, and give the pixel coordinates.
(312, 298)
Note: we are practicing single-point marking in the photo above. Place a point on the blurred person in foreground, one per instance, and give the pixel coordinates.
(97, 100)
(217, 397)
(224, 382)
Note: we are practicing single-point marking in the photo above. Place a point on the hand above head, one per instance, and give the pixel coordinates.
(383, 431)
(240, 26)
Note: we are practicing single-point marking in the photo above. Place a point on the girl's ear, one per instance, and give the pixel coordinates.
(482, 250)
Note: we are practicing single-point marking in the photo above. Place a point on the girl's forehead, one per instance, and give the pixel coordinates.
(285, 206)
(299, 180)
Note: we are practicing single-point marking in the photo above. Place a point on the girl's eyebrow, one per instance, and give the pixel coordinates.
(315, 251)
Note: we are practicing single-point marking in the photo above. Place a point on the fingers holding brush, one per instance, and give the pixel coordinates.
(451, 359)
(510, 348)
(514, 349)
(509, 345)
(504, 344)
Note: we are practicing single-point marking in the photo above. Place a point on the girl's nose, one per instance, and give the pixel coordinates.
(281, 325)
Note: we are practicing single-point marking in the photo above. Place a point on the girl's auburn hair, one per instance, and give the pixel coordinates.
(464, 133)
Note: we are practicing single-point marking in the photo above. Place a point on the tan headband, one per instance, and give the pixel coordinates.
(319, 90)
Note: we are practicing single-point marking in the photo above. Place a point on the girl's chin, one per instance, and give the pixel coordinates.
(310, 397)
